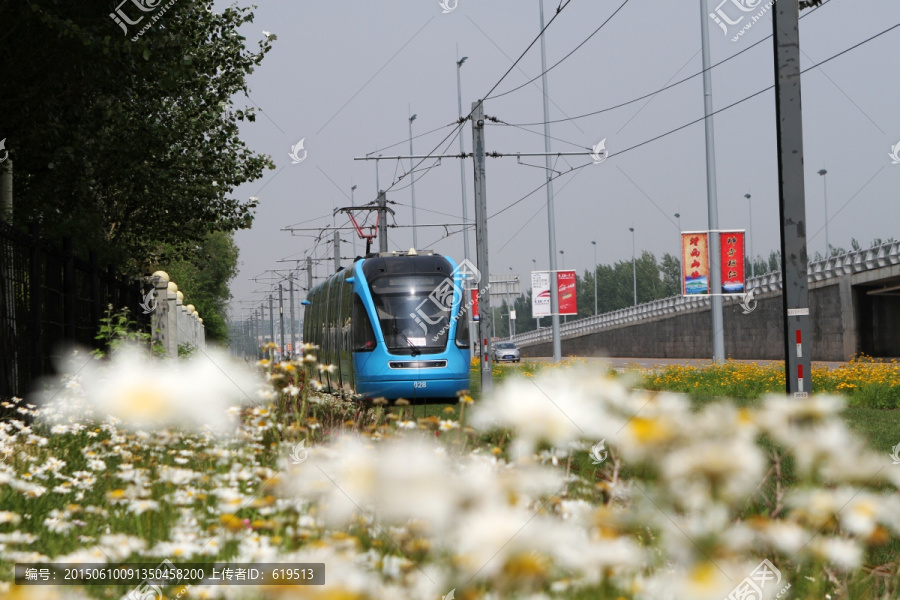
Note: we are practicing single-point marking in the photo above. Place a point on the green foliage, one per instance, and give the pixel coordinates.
(117, 328)
(203, 278)
(131, 141)
(185, 350)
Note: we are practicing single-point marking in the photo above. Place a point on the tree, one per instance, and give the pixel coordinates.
(670, 266)
(130, 141)
(204, 279)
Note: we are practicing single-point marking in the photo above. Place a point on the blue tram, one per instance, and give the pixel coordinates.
(394, 326)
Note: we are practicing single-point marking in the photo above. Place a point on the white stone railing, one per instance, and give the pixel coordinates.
(174, 323)
(852, 262)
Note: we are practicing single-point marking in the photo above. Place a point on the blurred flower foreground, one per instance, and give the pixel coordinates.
(563, 485)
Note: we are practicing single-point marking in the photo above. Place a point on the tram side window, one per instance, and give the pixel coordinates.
(308, 312)
(317, 318)
(462, 330)
(346, 314)
(363, 334)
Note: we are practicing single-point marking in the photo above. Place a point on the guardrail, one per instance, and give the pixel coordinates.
(836, 266)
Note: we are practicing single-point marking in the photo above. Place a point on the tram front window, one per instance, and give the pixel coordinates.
(414, 311)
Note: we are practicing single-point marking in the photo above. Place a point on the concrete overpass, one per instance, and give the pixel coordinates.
(854, 307)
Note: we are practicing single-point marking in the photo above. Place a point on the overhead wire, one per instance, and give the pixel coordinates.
(463, 120)
(701, 119)
(660, 90)
(427, 169)
(578, 47)
(415, 137)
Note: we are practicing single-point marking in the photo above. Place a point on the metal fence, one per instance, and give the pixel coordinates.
(836, 266)
(49, 296)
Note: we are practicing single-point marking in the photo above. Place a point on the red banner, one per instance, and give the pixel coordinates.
(568, 298)
(694, 263)
(475, 316)
(731, 245)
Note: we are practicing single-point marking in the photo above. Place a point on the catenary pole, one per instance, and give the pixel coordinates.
(792, 200)
(715, 271)
(271, 318)
(382, 222)
(465, 202)
(481, 248)
(293, 328)
(337, 251)
(412, 182)
(281, 344)
(551, 216)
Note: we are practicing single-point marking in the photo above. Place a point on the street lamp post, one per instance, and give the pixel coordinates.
(352, 203)
(750, 235)
(680, 249)
(594, 244)
(509, 307)
(552, 275)
(633, 265)
(534, 268)
(465, 202)
(462, 163)
(823, 173)
(412, 182)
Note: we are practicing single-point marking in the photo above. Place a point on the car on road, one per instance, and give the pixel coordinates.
(506, 351)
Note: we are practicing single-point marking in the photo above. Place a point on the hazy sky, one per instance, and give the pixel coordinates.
(345, 76)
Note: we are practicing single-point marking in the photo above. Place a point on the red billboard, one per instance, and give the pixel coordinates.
(568, 296)
(731, 245)
(694, 263)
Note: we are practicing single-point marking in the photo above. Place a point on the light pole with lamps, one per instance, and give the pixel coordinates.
(563, 254)
(412, 182)
(823, 173)
(462, 163)
(680, 249)
(465, 202)
(534, 268)
(352, 203)
(750, 235)
(594, 244)
(510, 309)
(633, 265)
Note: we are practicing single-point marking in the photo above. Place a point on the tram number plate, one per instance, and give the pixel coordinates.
(419, 384)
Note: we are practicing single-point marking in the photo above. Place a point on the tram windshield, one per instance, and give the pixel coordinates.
(414, 311)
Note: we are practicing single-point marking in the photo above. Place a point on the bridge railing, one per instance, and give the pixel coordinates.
(836, 266)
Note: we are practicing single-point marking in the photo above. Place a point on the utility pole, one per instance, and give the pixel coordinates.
(382, 222)
(257, 327)
(281, 316)
(462, 163)
(481, 247)
(594, 244)
(633, 265)
(352, 203)
(715, 258)
(377, 177)
(412, 183)
(337, 250)
(291, 300)
(465, 202)
(792, 199)
(551, 212)
(271, 318)
(309, 275)
(823, 172)
(750, 235)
